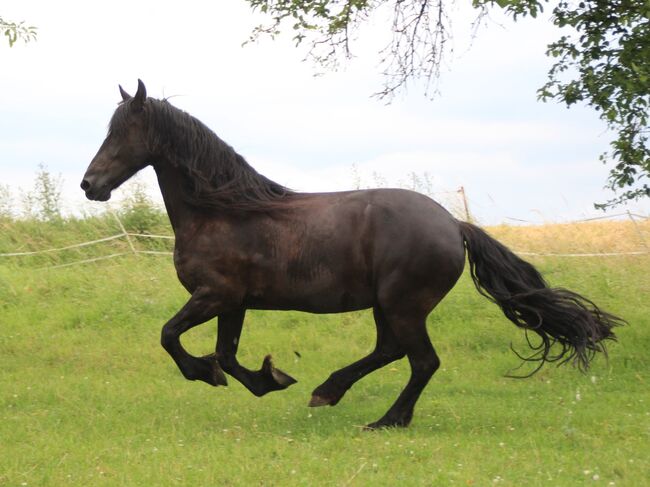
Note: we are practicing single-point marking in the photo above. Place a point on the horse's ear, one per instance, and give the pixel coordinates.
(140, 97)
(125, 95)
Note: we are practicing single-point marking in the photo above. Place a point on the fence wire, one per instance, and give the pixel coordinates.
(129, 237)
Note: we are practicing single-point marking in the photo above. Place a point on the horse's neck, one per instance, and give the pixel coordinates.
(180, 213)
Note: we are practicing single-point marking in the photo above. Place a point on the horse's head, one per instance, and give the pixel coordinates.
(124, 151)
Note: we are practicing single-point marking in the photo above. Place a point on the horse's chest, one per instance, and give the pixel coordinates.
(216, 268)
(192, 268)
(185, 276)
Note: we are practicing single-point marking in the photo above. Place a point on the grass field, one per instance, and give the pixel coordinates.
(88, 396)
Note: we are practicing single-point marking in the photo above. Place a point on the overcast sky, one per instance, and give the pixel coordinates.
(515, 156)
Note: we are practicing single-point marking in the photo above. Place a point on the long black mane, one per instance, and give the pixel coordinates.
(216, 177)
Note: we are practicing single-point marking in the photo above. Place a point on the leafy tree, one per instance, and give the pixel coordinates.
(602, 59)
(15, 31)
(605, 63)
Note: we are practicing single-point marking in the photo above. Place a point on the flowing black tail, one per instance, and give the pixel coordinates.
(559, 316)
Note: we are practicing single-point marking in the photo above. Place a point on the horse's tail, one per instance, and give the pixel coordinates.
(556, 315)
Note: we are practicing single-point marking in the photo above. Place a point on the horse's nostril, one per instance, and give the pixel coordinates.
(85, 184)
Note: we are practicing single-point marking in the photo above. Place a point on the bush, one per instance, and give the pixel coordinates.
(5, 202)
(139, 214)
(44, 201)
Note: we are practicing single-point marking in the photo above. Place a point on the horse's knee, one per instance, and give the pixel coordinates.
(435, 363)
(429, 365)
(391, 354)
(425, 366)
(168, 337)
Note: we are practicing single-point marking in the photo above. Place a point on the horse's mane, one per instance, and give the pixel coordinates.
(216, 177)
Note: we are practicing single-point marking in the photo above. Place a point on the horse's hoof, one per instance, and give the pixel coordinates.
(384, 424)
(326, 394)
(318, 401)
(217, 376)
(377, 425)
(282, 379)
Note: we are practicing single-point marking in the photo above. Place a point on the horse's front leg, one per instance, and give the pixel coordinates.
(259, 382)
(201, 307)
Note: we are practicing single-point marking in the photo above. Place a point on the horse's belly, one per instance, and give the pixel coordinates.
(314, 300)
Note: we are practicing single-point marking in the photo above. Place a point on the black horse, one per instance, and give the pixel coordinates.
(246, 242)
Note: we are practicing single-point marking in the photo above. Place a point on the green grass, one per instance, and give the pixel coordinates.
(88, 396)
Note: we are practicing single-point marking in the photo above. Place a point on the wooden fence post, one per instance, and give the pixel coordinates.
(468, 218)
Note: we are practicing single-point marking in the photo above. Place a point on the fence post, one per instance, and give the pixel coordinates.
(126, 234)
(468, 218)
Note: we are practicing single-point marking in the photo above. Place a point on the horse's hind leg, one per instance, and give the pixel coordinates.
(386, 351)
(411, 333)
(259, 382)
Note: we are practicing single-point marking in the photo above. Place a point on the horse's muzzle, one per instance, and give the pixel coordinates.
(95, 193)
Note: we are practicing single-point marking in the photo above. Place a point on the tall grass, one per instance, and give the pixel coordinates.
(585, 237)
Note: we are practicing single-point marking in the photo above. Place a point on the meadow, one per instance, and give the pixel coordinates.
(88, 396)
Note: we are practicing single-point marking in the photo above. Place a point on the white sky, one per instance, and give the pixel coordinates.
(516, 157)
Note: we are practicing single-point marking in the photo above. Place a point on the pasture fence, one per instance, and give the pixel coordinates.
(131, 239)
(127, 236)
(631, 216)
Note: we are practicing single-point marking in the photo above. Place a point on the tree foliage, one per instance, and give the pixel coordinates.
(15, 31)
(420, 30)
(602, 58)
(605, 63)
